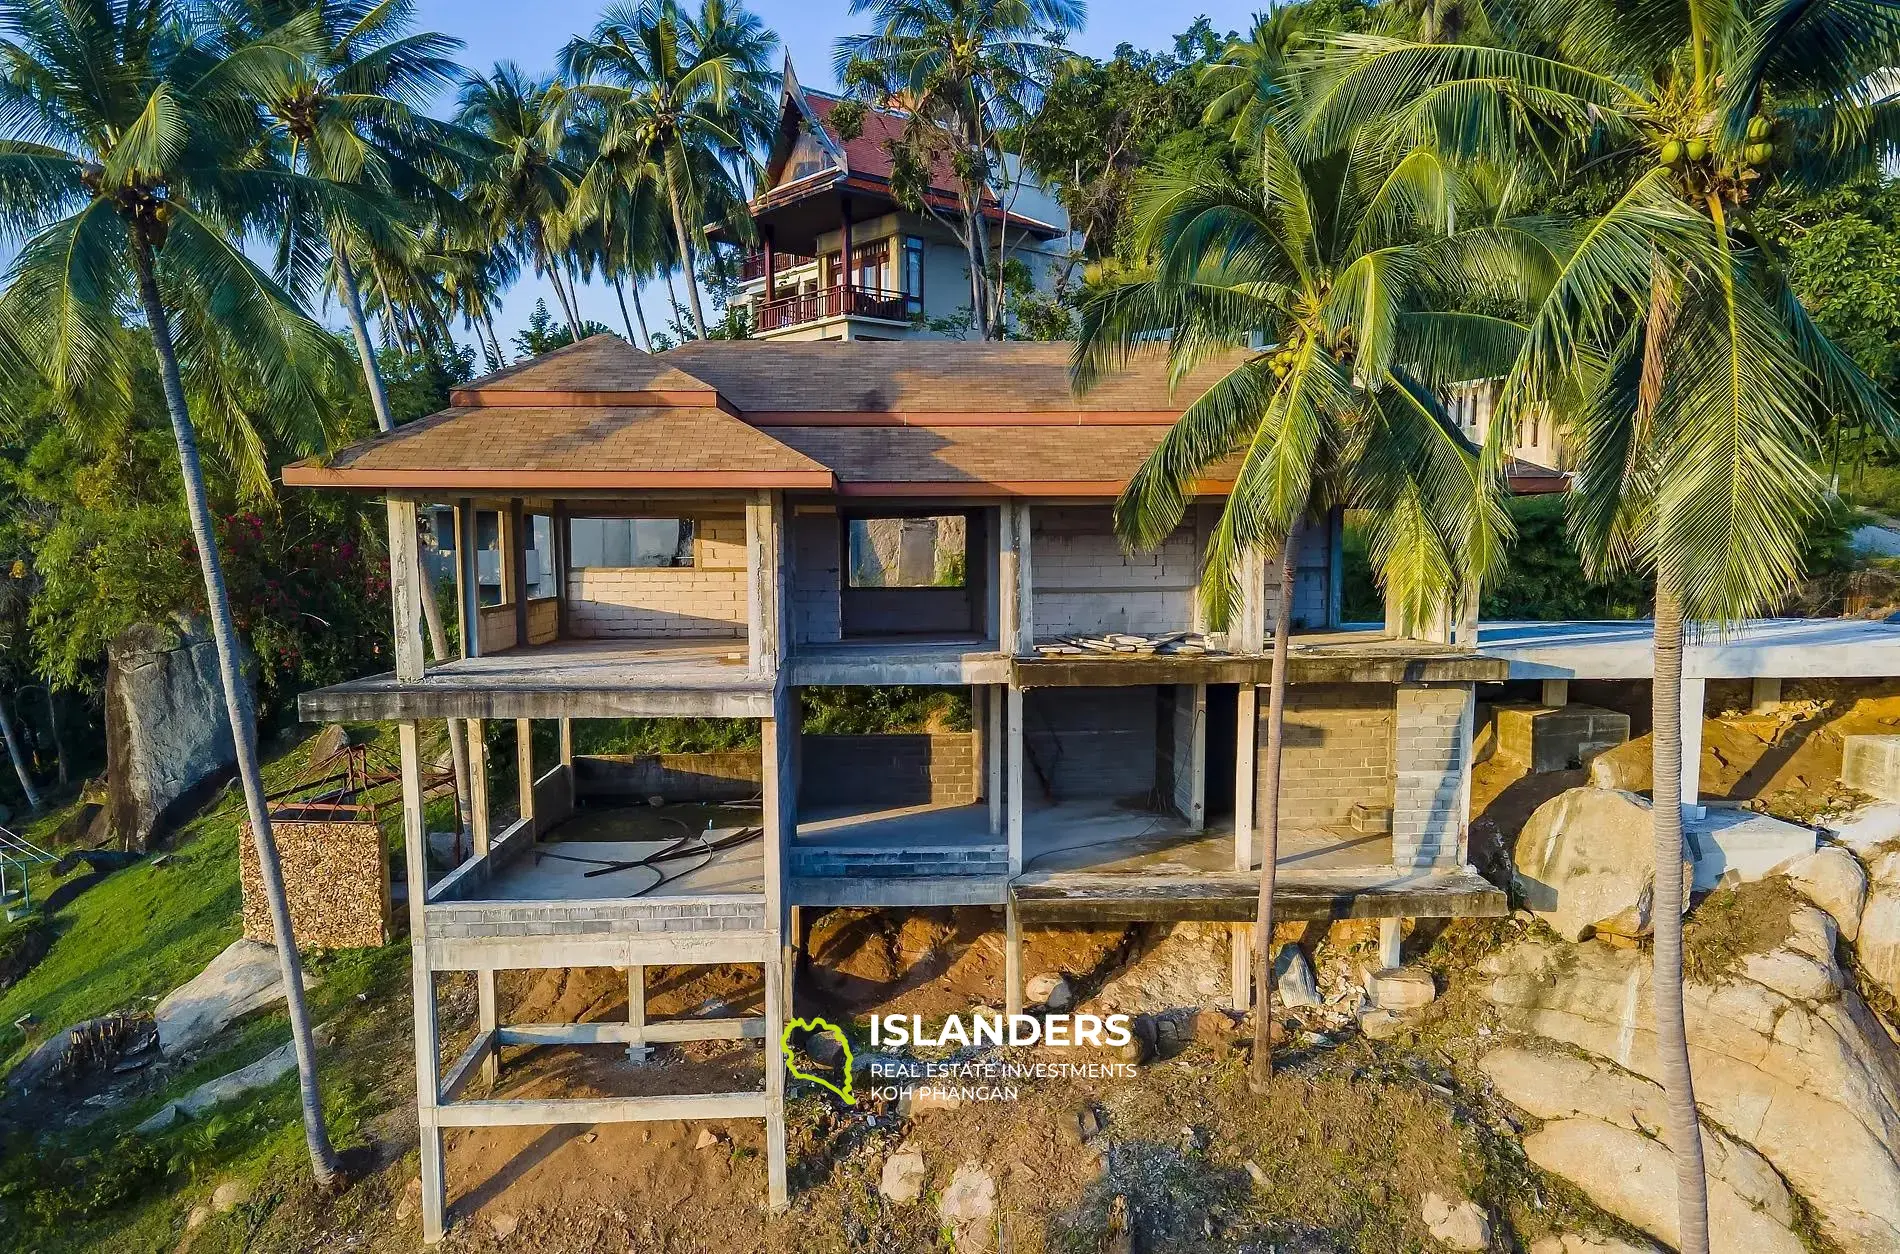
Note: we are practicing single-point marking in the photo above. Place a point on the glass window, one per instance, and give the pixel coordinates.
(630, 542)
(913, 274)
(542, 566)
(909, 552)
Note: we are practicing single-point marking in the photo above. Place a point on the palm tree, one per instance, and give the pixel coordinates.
(132, 175)
(968, 72)
(1349, 269)
(1689, 375)
(687, 98)
(619, 217)
(523, 189)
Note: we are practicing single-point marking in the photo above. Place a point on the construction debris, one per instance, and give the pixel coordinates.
(1173, 643)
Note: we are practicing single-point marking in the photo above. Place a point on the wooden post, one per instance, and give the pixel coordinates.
(768, 237)
(764, 549)
(979, 741)
(405, 589)
(422, 982)
(1197, 757)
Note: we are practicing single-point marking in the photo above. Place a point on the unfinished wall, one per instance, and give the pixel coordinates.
(729, 775)
(336, 879)
(544, 620)
(1089, 743)
(497, 628)
(1312, 582)
(816, 542)
(889, 770)
(1182, 732)
(1338, 752)
(1085, 585)
(705, 599)
(1430, 761)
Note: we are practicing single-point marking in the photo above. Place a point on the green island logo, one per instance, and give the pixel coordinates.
(791, 1060)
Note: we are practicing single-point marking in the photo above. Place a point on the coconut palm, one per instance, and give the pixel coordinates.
(620, 215)
(688, 98)
(521, 192)
(1689, 375)
(1349, 269)
(133, 168)
(968, 72)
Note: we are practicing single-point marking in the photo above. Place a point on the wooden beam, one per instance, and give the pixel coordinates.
(406, 589)
(555, 1112)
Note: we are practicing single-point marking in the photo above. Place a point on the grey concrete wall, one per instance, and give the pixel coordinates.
(1090, 742)
(1179, 720)
(1338, 753)
(895, 770)
(732, 775)
(467, 921)
(1084, 584)
(707, 598)
(1312, 581)
(817, 562)
(1431, 757)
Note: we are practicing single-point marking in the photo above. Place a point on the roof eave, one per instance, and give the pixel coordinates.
(312, 474)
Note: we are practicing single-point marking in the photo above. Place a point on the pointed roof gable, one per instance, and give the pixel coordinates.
(599, 370)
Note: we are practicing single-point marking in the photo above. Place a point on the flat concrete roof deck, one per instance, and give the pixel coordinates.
(1345, 655)
(1766, 648)
(945, 661)
(565, 679)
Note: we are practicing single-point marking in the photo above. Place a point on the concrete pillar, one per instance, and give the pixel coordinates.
(1013, 784)
(1190, 754)
(979, 742)
(1012, 959)
(1391, 943)
(1249, 631)
(1556, 692)
(1008, 583)
(1767, 693)
(637, 1048)
(1246, 773)
(567, 743)
(468, 579)
(1025, 583)
(763, 559)
(1694, 694)
(487, 1004)
(996, 742)
(778, 1195)
(524, 773)
(1240, 944)
(422, 982)
(406, 589)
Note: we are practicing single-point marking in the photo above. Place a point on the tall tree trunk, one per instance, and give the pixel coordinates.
(673, 298)
(687, 255)
(1267, 815)
(59, 741)
(237, 707)
(488, 320)
(546, 262)
(639, 311)
(1672, 1038)
(458, 737)
(359, 331)
(18, 755)
(620, 294)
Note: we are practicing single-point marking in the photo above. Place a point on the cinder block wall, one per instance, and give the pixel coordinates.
(1094, 743)
(1181, 716)
(817, 566)
(727, 775)
(1084, 584)
(1429, 796)
(1338, 754)
(705, 599)
(544, 620)
(893, 770)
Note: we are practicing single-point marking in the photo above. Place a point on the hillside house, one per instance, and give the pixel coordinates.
(713, 531)
(840, 255)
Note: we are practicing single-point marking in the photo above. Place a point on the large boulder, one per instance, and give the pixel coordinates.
(1584, 863)
(168, 738)
(1787, 1059)
(1877, 939)
(243, 978)
(1832, 879)
(1603, 1133)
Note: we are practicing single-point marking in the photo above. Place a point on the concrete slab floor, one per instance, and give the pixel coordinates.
(1102, 837)
(898, 827)
(556, 868)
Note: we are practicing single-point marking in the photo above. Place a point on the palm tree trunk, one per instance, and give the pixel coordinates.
(673, 298)
(359, 330)
(686, 256)
(1672, 1037)
(1267, 815)
(14, 751)
(620, 294)
(639, 311)
(548, 268)
(237, 706)
(458, 738)
(488, 320)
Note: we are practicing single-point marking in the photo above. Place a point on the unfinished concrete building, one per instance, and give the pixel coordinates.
(709, 533)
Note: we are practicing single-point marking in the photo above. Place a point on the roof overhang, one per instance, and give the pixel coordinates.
(311, 474)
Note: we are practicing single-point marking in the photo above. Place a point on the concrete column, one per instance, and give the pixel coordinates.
(468, 578)
(1014, 783)
(1012, 959)
(1190, 754)
(514, 555)
(762, 584)
(1246, 773)
(1391, 943)
(778, 1195)
(487, 1004)
(422, 982)
(524, 772)
(1240, 946)
(1025, 583)
(1249, 631)
(995, 747)
(1008, 586)
(1556, 692)
(637, 1048)
(567, 743)
(1694, 693)
(979, 742)
(1767, 693)
(405, 589)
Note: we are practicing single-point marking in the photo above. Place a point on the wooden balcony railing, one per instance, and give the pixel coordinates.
(833, 302)
(752, 265)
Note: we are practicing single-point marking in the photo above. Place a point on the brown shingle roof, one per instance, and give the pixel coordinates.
(553, 447)
(601, 369)
(1027, 461)
(928, 377)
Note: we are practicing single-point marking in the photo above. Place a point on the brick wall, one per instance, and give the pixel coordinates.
(895, 770)
(1085, 584)
(497, 628)
(1338, 751)
(1430, 763)
(1093, 743)
(544, 620)
(816, 564)
(336, 878)
(705, 599)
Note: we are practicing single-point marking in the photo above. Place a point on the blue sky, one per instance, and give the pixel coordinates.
(531, 35)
